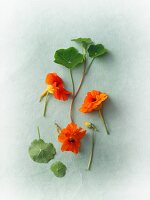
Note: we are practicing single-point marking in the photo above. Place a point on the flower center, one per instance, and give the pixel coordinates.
(56, 84)
(93, 99)
(71, 140)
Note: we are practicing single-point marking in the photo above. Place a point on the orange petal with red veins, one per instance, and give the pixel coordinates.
(61, 93)
(52, 78)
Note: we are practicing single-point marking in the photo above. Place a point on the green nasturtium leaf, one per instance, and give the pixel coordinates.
(84, 41)
(69, 58)
(41, 152)
(96, 50)
(59, 169)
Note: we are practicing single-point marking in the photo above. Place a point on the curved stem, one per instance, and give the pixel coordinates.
(91, 152)
(103, 121)
(71, 107)
(45, 104)
(38, 131)
(73, 93)
(88, 68)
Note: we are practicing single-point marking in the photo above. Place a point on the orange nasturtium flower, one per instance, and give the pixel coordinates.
(55, 86)
(93, 102)
(70, 137)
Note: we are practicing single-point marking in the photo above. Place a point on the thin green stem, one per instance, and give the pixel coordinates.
(103, 121)
(45, 105)
(73, 94)
(58, 128)
(88, 68)
(91, 151)
(73, 86)
(38, 131)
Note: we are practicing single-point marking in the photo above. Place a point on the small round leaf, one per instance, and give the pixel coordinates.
(96, 50)
(41, 152)
(59, 169)
(84, 41)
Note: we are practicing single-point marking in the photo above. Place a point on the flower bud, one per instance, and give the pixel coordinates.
(90, 126)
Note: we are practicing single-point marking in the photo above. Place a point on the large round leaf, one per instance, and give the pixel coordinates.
(59, 169)
(41, 152)
(96, 50)
(68, 57)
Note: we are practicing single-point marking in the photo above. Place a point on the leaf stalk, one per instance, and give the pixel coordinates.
(38, 131)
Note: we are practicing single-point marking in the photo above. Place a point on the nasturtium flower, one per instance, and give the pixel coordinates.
(55, 86)
(93, 101)
(70, 137)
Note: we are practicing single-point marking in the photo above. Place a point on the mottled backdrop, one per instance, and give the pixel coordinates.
(30, 32)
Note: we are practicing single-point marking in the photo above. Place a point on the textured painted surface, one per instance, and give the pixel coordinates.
(30, 32)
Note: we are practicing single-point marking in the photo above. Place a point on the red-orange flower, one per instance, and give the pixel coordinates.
(55, 86)
(93, 101)
(70, 137)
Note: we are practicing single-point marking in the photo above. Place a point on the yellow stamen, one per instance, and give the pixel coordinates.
(49, 89)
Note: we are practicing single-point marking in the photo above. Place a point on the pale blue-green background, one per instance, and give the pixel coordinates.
(30, 32)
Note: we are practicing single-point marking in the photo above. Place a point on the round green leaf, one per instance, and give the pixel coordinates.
(68, 57)
(96, 50)
(84, 41)
(41, 152)
(59, 169)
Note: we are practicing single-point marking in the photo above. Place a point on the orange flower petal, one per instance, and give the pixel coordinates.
(61, 93)
(53, 78)
(73, 147)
